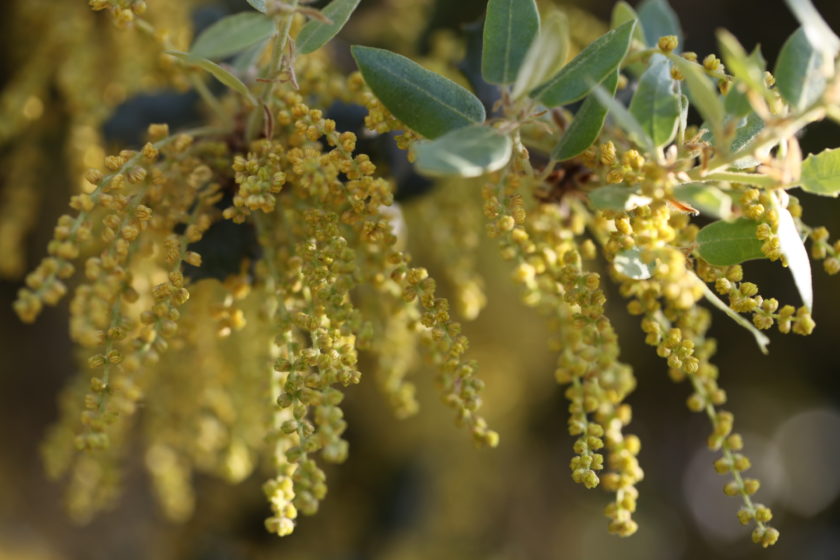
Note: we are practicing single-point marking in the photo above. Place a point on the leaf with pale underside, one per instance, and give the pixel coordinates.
(232, 35)
(798, 71)
(509, 30)
(547, 54)
(656, 103)
(629, 263)
(796, 256)
(425, 101)
(471, 151)
(703, 94)
(818, 32)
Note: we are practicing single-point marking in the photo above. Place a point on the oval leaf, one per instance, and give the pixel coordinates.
(426, 102)
(467, 152)
(590, 67)
(217, 72)
(547, 54)
(618, 198)
(729, 243)
(509, 29)
(629, 263)
(315, 34)
(798, 71)
(231, 35)
(655, 104)
(796, 256)
(658, 20)
(587, 124)
(821, 173)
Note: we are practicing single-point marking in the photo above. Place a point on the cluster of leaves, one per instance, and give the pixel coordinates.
(747, 139)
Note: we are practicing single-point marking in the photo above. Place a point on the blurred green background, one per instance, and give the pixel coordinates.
(417, 488)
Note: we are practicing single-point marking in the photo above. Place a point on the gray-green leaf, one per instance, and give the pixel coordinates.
(798, 71)
(258, 5)
(231, 35)
(748, 68)
(658, 19)
(624, 118)
(509, 29)
(217, 72)
(819, 33)
(703, 94)
(315, 34)
(590, 67)
(821, 173)
(729, 243)
(587, 124)
(547, 54)
(619, 198)
(656, 104)
(624, 12)
(629, 263)
(425, 101)
(466, 152)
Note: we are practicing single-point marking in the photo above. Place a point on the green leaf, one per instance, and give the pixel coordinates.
(245, 61)
(590, 67)
(749, 69)
(798, 71)
(736, 103)
(708, 199)
(629, 263)
(624, 12)
(425, 101)
(619, 198)
(315, 34)
(466, 152)
(817, 30)
(729, 243)
(624, 118)
(258, 5)
(509, 29)
(821, 173)
(587, 124)
(217, 72)
(703, 94)
(547, 54)
(656, 104)
(658, 20)
(796, 256)
(231, 35)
